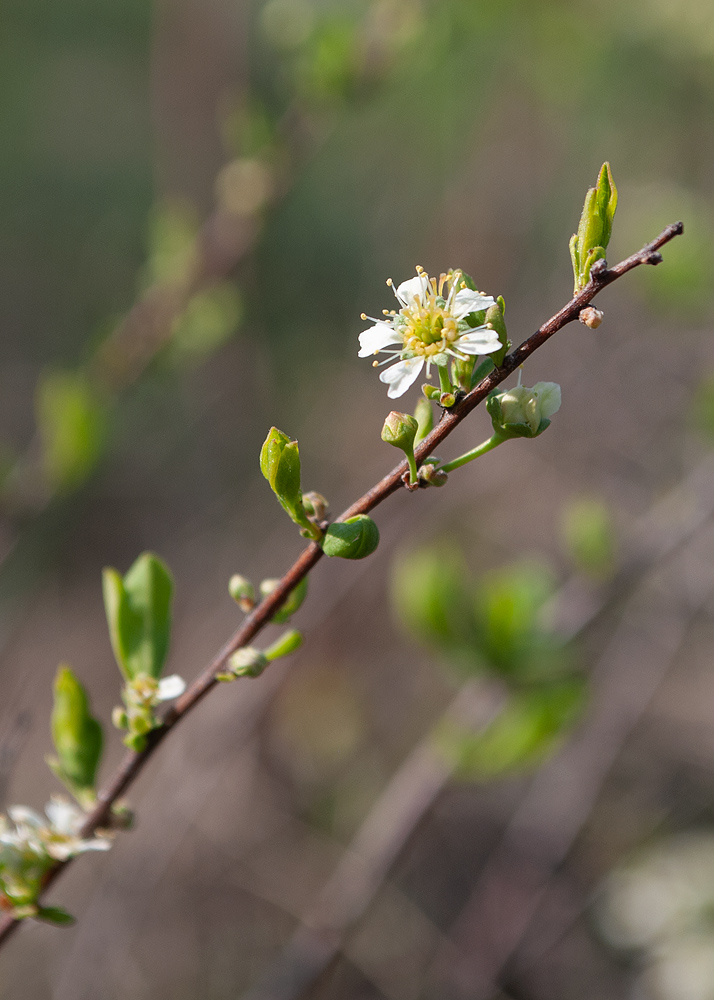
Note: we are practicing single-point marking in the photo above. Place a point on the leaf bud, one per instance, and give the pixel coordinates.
(316, 507)
(284, 646)
(242, 591)
(354, 538)
(291, 603)
(523, 412)
(431, 391)
(591, 317)
(431, 476)
(424, 418)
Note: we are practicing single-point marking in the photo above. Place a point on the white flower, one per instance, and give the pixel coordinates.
(429, 328)
(171, 687)
(57, 836)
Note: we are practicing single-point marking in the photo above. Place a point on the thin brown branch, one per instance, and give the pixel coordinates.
(133, 762)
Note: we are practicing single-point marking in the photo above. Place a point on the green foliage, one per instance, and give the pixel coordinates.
(173, 227)
(138, 609)
(77, 737)
(481, 371)
(355, 538)
(288, 643)
(520, 737)
(292, 602)
(424, 414)
(72, 425)
(495, 318)
(55, 915)
(590, 242)
(280, 464)
(510, 635)
(589, 537)
(209, 319)
(431, 595)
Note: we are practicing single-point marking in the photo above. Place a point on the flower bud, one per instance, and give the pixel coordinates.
(247, 662)
(291, 603)
(399, 430)
(523, 412)
(591, 317)
(354, 538)
(447, 399)
(431, 476)
(119, 717)
(316, 507)
(431, 391)
(242, 591)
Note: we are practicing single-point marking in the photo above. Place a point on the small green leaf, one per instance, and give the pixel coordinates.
(55, 915)
(138, 610)
(284, 646)
(270, 453)
(525, 733)
(72, 426)
(595, 227)
(286, 483)
(77, 736)
(480, 373)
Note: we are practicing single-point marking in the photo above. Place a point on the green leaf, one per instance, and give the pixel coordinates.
(480, 373)
(286, 483)
(55, 915)
(525, 733)
(595, 227)
(77, 736)
(209, 319)
(72, 426)
(138, 609)
(430, 593)
(270, 453)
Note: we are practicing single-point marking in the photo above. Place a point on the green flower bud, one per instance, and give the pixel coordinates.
(316, 507)
(523, 412)
(291, 603)
(495, 319)
(354, 538)
(242, 591)
(431, 391)
(247, 662)
(284, 646)
(399, 430)
(447, 399)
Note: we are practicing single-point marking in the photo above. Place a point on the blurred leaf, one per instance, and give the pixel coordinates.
(528, 729)
(329, 60)
(173, 227)
(138, 609)
(77, 737)
(430, 593)
(589, 536)
(209, 319)
(55, 915)
(510, 635)
(72, 425)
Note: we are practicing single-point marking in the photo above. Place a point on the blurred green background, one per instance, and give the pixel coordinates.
(333, 144)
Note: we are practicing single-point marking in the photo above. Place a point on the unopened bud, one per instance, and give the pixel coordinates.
(291, 603)
(591, 317)
(432, 476)
(242, 591)
(354, 538)
(523, 412)
(399, 430)
(119, 718)
(247, 662)
(315, 505)
(447, 399)
(431, 391)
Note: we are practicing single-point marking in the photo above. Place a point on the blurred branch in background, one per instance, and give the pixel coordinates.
(623, 682)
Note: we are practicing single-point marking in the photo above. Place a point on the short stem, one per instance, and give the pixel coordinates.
(413, 473)
(444, 380)
(477, 452)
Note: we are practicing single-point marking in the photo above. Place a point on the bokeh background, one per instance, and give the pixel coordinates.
(250, 173)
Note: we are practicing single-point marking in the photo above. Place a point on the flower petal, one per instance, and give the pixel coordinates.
(548, 394)
(467, 301)
(64, 817)
(21, 814)
(400, 376)
(414, 288)
(482, 340)
(171, 687)
(372, 341)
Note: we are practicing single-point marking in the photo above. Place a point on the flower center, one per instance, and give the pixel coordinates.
(428, 326)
